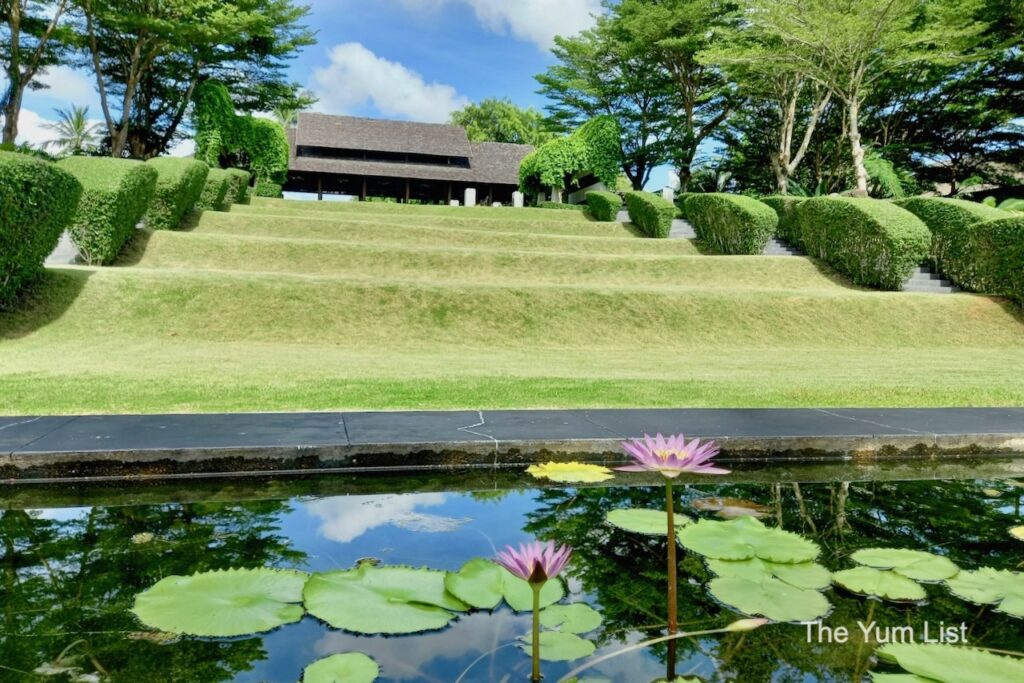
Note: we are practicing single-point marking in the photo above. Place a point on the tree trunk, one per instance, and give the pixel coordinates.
(779, 166)
(857, 151)
(684, 174)
(12, 110)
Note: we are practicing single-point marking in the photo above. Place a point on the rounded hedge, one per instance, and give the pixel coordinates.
(265, 188)
(115, 196)
(37, 201)
(995, 254)
(238, 186)
(785, 208)
(731, 223)
(178, 188)
(948, 219)
(873, 242)
(560, 206)
(651, 214)
(214, 195)
(604, 206)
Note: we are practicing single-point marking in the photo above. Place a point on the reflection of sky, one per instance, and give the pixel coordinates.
(61, 514)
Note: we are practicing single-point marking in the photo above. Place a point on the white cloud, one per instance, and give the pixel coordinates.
(357, 77)
(68, 85)
(32, 128)
(346, 518)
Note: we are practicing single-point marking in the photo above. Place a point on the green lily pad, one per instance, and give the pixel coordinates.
(987, 586)
(575, 618)
(556, 646)
(638, 520)
(806, 575)
(950, 663)
(899, 678)
(770, 598)
(1017, 532)
(382, 599)
(231, 602)
(745, 538)
(348, 667)
(570, 472)
(880, 584)
(913, 564)
(482, 584)
(519, 595)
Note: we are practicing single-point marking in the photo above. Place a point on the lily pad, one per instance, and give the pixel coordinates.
(770, 598)
(987, 586)
(570, 472)
(231, 602)
(382, 599)
(899, 678)
(745, 538)
(880, 583)
(913, 564)
(731, 508)
(992, 493)
(519, 595)
(1017, 532)
(806, 575)
(483, 584)
(348, 667)
(575, 618)
(950, 663)
(641, 521)
(556, 646)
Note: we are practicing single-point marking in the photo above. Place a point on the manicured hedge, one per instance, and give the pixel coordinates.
(785, 208)
(873, 242)
(948, 219)
(214, 196)
(651, 214)
(994, 252)
(681, 204)
(731, 223)
(604, 206)
(238, 190)
(115, 196)
(178, 188)
(37, 201)
(265, 188)
(561, 206)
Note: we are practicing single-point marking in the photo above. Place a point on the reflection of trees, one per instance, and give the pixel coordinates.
(625, 571)
(71, 583)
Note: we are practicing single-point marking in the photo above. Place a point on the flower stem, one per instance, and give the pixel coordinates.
(536, 631)
(673, 625)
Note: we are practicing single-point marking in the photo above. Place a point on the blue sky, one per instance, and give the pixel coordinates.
(403, 59)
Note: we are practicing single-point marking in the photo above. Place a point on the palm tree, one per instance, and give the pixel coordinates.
(75, 134)
(286, 115)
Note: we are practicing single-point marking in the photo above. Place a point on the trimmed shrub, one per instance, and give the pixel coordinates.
(238, 186)
(873, 242)
(604, 206)
(214, 196)
(785, 208)
(651, 214)
(731, 223)
(994, 251)
(561, 206)
(178, 188)
(946, 218)
(265, 188)
(115, 196)
(681, 204)
(37, 201)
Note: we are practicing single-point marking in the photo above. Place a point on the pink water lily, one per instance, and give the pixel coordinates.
(671, 456)
(535, 562)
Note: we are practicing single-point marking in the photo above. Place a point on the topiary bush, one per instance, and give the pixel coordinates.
(178, 188)
(37, 201)
(561, 206)
(873, 242)
(604, 206)
(214, 195)
(992, 255)
(265, 188)
(651, 214)
(593, 149)
(785, 207)
(238, 186)
(115, 196)
(731, 223)
(947, 219)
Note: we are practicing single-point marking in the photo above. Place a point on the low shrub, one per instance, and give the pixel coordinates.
(785, 208)
(37, 201)
(561, 206)
(681, 204)
(178, 188)
(946, 219)
(994, 253)
(873, 242)
(265, 188)
(651, 214)
(604, 206)
(731, 223)
(215, 191)
(238, 186)
(115, 196)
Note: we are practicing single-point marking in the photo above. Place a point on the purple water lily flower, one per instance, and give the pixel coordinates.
(535, 562)
(671, 456)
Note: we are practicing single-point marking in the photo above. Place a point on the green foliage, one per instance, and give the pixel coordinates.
(913, 564)
(592, 150)
(878, 583)
(37, 201)
(75, 135)
(483, 584)
(805, 575)
(556, 646)
(641, 521)
(732, 224)
(785, 208)
(570, 472)
(943, 663)
(561, 206)
(178, 188)
(578, 617)
(874, 243)
(260, 145)
(1012, 205)
(266, 188)
(215, 191)
(604, 206)
(769, 597)
(988, 586)
(745, 538)
(238, 186)
(886, 181)
(494, 120)
(115, 196)
(349, 667)
(652, 215)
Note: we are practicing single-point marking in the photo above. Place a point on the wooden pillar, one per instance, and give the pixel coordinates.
(362, 191)
(406, 190)
(448, 198)
(320, 188)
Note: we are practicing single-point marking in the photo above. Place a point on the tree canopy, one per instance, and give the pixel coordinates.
(498, 120)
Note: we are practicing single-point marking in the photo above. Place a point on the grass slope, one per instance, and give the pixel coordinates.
(283, 306)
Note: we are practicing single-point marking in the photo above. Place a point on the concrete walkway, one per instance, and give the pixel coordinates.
(67, 448)
(681, 230)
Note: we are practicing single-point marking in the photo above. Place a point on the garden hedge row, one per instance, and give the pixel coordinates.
(561, 206)
(215, 191)
(948, 219)
(178, 188)
(731, 223)
(651, 214)
(873, 242)
(265, 188)
(604, 206)
(37, 201)
(115, 196)
(785, 208)
(681, 204)
(238, 190)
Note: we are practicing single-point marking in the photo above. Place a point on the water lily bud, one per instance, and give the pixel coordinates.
(746, 625)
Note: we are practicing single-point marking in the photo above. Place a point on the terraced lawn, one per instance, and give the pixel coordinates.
(314, 306)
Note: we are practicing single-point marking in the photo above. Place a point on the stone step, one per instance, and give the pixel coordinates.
(924, 279)
(777, 247)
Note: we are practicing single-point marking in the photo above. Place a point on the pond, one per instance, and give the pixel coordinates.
(73, 560)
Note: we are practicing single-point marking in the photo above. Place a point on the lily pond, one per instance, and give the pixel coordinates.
(366, 577)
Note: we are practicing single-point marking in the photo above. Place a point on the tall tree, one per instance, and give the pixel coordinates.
(31, 40)
(497, 120)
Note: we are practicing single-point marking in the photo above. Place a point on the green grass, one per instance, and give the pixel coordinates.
(378, 306)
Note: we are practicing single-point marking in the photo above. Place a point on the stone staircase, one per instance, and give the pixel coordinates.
(777, 247)
(925, 280)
